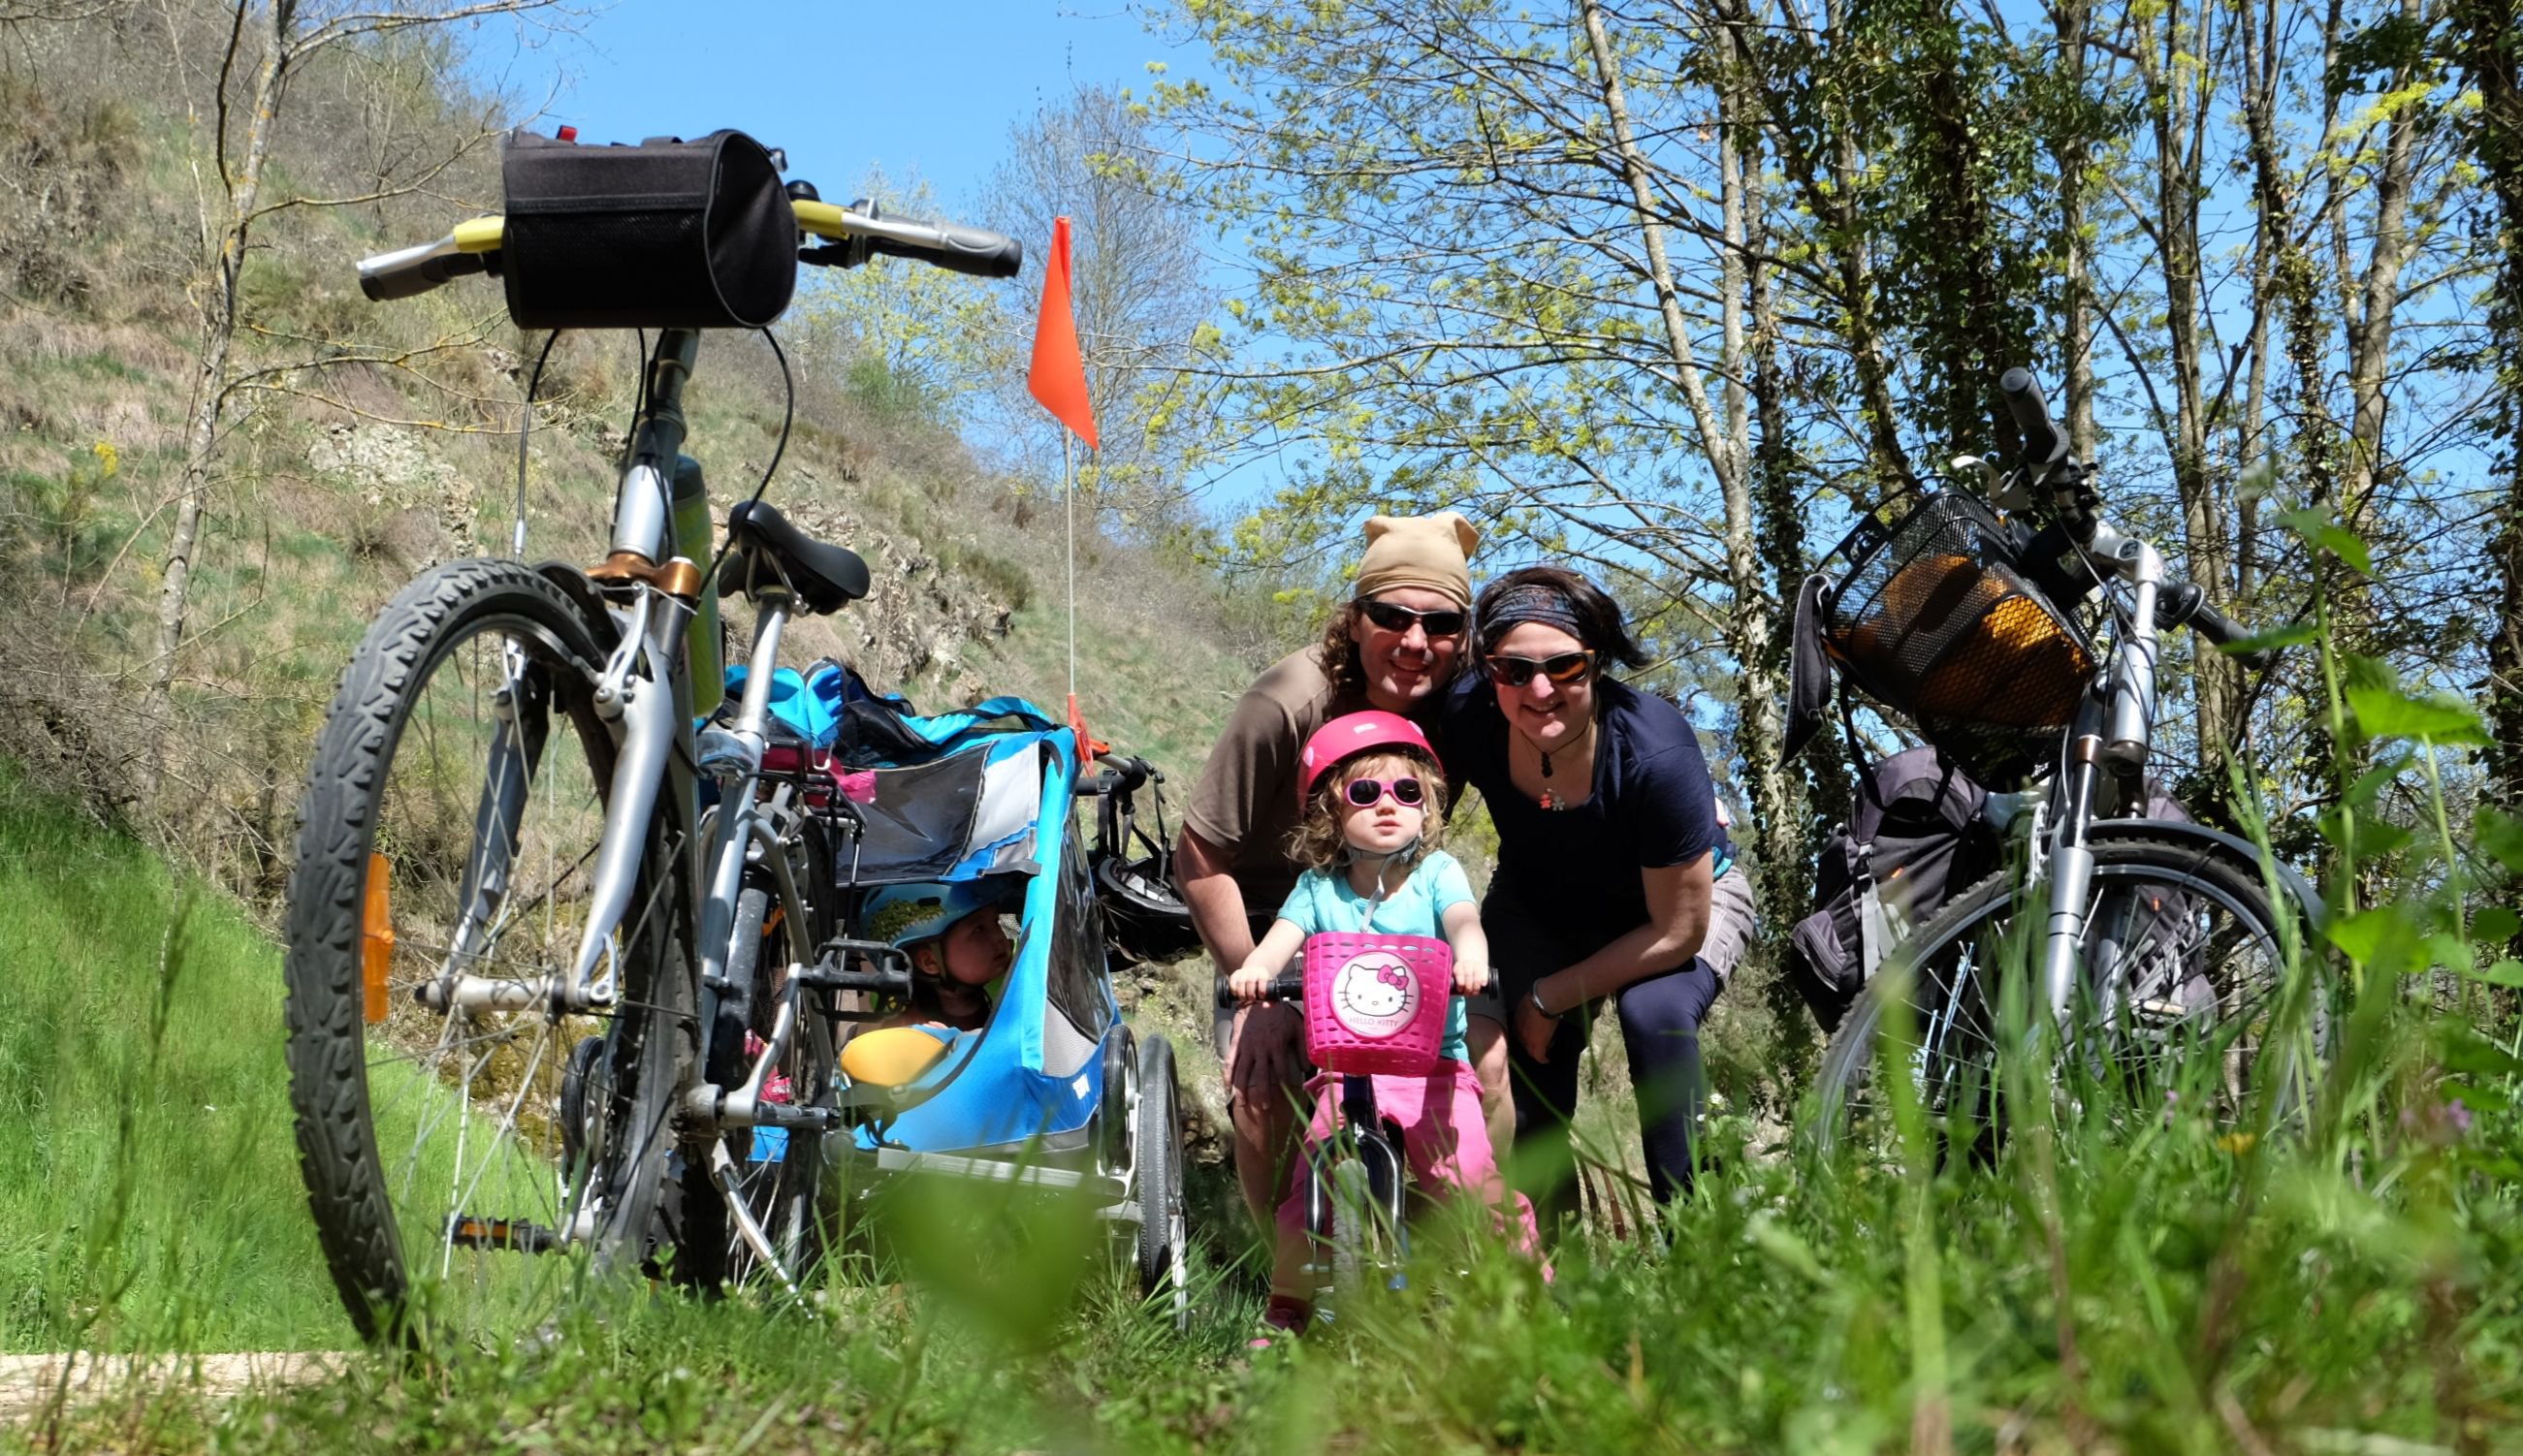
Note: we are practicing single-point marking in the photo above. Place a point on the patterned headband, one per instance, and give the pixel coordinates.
(1530, 602)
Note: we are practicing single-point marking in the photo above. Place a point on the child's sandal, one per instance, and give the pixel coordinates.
(1284, 1318)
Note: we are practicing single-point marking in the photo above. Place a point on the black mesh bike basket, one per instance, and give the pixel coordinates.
(1933, 620)
(669, 234)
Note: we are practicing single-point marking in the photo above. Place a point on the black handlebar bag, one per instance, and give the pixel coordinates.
(668, 234)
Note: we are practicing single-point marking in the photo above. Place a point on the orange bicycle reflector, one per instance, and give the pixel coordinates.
(376, 942)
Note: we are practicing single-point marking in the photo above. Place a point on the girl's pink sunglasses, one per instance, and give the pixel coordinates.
(1368, 792)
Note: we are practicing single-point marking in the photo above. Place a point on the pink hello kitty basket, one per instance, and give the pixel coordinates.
(1376, 1003)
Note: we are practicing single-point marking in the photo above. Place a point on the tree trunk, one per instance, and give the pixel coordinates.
(2175, 110)
(218, 335)
(2071, 151)
(2491, 48)
(1752, 625)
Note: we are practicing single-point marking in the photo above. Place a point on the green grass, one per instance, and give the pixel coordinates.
(149, 1193)
(2164, 1290)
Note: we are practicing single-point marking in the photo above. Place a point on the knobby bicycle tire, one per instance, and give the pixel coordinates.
(381, 838)
(2170, 1028)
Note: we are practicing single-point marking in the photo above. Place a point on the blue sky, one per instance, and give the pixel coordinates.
(841, 84)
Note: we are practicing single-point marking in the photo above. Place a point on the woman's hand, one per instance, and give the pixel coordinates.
(1534, 1030)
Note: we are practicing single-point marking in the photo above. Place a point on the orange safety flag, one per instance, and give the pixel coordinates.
(1059, 375)
(1089, 747)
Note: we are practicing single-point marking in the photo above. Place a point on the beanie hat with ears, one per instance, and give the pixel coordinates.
(1430, 551)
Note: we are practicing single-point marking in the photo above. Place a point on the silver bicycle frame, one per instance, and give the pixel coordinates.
(2113, 736)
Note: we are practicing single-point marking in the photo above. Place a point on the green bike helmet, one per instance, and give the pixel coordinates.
(903, 915)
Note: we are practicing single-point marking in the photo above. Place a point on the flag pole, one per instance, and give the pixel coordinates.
(1069, 482)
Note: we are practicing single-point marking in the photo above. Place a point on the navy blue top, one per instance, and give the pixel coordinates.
(1653, 806)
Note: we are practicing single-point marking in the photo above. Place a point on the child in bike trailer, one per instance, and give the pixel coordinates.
(1367, 782)
(957, 949)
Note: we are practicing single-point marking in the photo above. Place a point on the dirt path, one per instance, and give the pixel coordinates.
(28, 1382)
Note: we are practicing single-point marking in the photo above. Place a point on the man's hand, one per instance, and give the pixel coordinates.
(1266, 1054)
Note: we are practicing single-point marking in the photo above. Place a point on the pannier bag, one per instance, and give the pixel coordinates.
(1915, 835)
(668, 234)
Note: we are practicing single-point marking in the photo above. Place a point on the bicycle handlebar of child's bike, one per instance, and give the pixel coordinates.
(1288, 986)
(850, 236)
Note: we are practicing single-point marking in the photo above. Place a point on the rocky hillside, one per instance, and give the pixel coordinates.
(358, 444)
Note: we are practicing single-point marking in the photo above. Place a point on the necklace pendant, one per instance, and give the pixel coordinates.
(1551, 800)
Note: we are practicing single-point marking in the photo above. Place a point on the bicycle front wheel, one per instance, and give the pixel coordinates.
(2182, 1013)
(452, 1148)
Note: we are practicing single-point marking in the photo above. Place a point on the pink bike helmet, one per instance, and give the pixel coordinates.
(1349, 735)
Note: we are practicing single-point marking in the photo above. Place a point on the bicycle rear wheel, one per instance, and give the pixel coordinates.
(775, 1174)
(2180, 1014)
(450, 824)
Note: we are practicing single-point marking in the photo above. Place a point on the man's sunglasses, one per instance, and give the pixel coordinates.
(1365, 793)
(1445, 621)
(1568, 667)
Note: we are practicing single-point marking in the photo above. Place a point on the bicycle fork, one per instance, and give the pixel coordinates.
(1378, 1160)
(639, 709)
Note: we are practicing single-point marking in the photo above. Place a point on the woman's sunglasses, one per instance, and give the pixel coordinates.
(1568, 667)
(1365, 793)
(1445, 621)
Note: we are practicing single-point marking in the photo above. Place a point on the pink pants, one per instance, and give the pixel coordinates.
(1443, 1139)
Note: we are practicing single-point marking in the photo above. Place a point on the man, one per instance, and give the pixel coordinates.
(1394, 645)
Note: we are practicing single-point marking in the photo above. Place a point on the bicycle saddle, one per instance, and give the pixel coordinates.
(766, 550)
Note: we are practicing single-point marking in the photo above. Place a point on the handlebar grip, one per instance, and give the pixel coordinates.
(2188, 605)
(415, 271)
(1290, 986)
(976, 251)
(2043, 444)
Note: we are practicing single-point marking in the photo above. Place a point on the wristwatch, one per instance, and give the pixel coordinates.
(1535, 996)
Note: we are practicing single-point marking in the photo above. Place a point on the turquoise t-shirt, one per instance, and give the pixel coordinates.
(1323, 900)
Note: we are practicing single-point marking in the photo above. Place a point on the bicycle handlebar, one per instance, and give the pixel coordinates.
(1287, 986)
(409, 272)
(474, 247)
(962, 249)
(2043, 444)
(2182, 604)
(2187, 605)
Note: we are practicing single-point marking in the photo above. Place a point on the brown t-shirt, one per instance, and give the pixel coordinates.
(1246, 803)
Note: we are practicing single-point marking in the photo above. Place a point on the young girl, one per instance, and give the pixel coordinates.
(1367, 782)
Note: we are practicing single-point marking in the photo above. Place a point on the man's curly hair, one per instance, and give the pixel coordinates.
(1337, 654)
(1316, 843)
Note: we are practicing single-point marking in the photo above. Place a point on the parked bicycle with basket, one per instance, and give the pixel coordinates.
(571, 945)
(2168, 961)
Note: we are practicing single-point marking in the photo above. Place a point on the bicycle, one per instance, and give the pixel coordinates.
(2159, 949)
(544, 994)
(1358, 1183)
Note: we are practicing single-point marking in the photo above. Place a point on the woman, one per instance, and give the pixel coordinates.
(1608, 848)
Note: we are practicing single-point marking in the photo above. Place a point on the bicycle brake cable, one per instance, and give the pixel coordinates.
(780, 447)
(525, 429)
